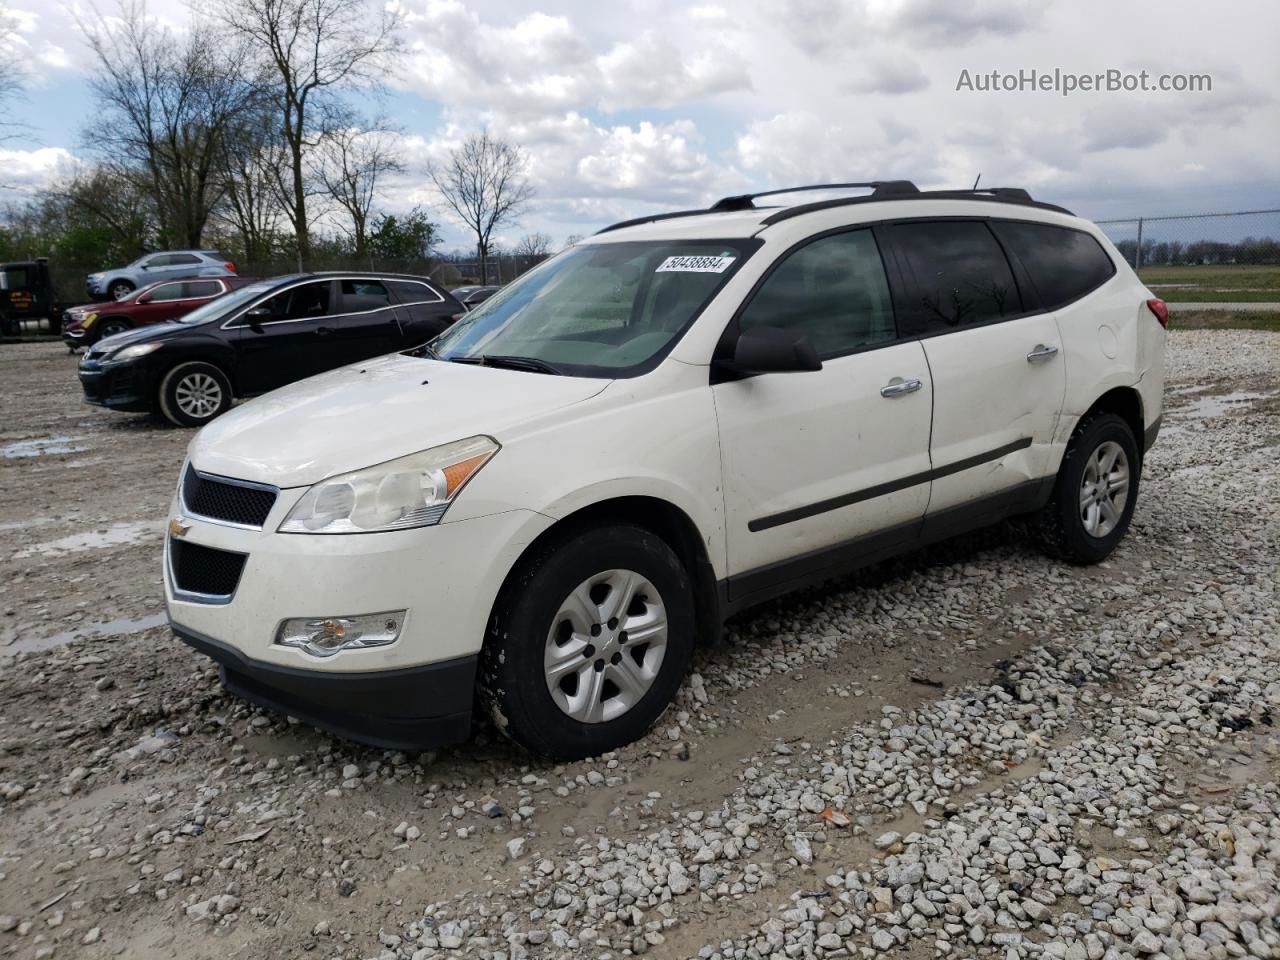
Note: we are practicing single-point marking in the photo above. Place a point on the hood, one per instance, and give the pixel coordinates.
(372, 412)
(158, 331)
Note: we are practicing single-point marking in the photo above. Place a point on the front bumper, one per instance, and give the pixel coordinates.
(417, 691)
(119, 387)
(414, 708)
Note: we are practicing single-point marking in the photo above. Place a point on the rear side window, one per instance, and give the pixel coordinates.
(194, 289)
(958, 275)
(360, 296)
(182, 259)
(410, 291)
(168, 291)
(832, 290)
(1064, 264)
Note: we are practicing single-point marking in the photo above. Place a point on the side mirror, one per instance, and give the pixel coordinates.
(773, 350)
(256, 317)
(145, 298)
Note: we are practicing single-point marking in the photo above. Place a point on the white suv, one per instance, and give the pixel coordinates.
(681, 417)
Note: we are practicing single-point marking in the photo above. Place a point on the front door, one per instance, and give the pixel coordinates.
(813, 461)
(999, 373)
(295, 339)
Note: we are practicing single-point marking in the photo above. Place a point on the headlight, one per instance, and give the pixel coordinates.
(133, 352)
(413, 491)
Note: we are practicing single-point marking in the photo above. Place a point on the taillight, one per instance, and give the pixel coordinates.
(1161, 311)
(229, 267)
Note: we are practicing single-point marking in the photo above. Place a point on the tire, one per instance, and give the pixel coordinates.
(118, 289)
(111, 326)
(193, 393)
(1076, 525)
(536, 623)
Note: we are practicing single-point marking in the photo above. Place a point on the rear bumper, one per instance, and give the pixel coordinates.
(412, 708)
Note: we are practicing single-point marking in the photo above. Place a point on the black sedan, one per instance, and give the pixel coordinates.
(261, 337)
(472, 297)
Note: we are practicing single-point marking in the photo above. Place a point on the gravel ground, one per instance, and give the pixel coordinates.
(969, 751)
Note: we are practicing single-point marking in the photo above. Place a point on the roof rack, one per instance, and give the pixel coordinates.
(881, 190)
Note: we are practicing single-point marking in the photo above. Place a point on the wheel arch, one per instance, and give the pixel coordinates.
(663, 519)
(1125, 402)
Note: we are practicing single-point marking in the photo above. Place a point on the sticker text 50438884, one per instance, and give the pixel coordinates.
(695, 265)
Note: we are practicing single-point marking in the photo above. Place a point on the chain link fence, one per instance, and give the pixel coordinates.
(1204, 257)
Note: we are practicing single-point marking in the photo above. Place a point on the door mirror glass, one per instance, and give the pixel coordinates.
(145, 298)
(774, 350)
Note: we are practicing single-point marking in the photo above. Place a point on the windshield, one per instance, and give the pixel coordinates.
(219, 307)
(598, 310)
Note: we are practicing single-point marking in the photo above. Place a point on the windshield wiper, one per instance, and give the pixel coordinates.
(510, 362)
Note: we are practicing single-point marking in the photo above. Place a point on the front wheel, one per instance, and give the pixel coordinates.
(112, 326)
(119, 289)
(589, 642)
(1095, 493)
(192, 394)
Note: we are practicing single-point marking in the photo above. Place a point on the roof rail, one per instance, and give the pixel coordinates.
(880, 190)
(1012, 195)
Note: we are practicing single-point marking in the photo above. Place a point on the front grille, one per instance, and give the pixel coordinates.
(204, 570)
(226, 501)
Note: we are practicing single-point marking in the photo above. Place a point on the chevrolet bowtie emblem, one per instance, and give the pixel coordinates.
(178, 527)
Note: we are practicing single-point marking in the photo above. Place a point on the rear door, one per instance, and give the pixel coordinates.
(813, 462)
(424, 310)
(996, 360)
(367, 325)
(295, 340)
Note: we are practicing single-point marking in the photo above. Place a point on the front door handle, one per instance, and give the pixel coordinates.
(897, 387)
(323, 331)
(1041, 352)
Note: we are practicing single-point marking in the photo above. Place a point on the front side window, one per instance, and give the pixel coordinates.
(1064, 264)
(14, 278)
(959, 276)
(832, 290)
(300, 302)
(159, 260)
(599, 309)
(223, 308)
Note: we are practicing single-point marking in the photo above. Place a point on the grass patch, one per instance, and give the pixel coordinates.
(1225, 320)
(1225, 282)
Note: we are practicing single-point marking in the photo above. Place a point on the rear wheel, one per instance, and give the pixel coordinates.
(1095, 493)
(119, 289)
(193, 393)
(589, 643)
(113, 325)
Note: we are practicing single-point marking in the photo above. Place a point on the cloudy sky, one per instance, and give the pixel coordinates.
(631, 106)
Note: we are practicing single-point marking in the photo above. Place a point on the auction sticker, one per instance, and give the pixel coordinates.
(695, 265)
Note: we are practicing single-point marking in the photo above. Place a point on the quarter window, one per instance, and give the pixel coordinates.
(959, 275)
(833, 291)
(1064, 264)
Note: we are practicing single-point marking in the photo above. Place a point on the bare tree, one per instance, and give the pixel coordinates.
(312, 49)
(11, 72)
(352, 163)
(164, 105)
(533, 246)
(573, 239)
(249, 171)
(484, 182)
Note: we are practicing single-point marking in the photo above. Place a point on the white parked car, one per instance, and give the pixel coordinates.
(679, 418)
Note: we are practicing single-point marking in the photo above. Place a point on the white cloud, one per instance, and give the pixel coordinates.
(26, 171)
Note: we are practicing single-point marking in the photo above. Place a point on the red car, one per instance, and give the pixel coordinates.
(166, 300)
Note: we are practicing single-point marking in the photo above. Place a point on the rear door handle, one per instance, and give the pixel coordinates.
(1041, 352)
(897, 387)
(324, 331)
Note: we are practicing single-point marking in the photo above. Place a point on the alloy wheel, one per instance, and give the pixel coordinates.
(198, 395)
(1104, 489)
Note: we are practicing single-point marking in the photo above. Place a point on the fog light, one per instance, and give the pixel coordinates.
(325, 636)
